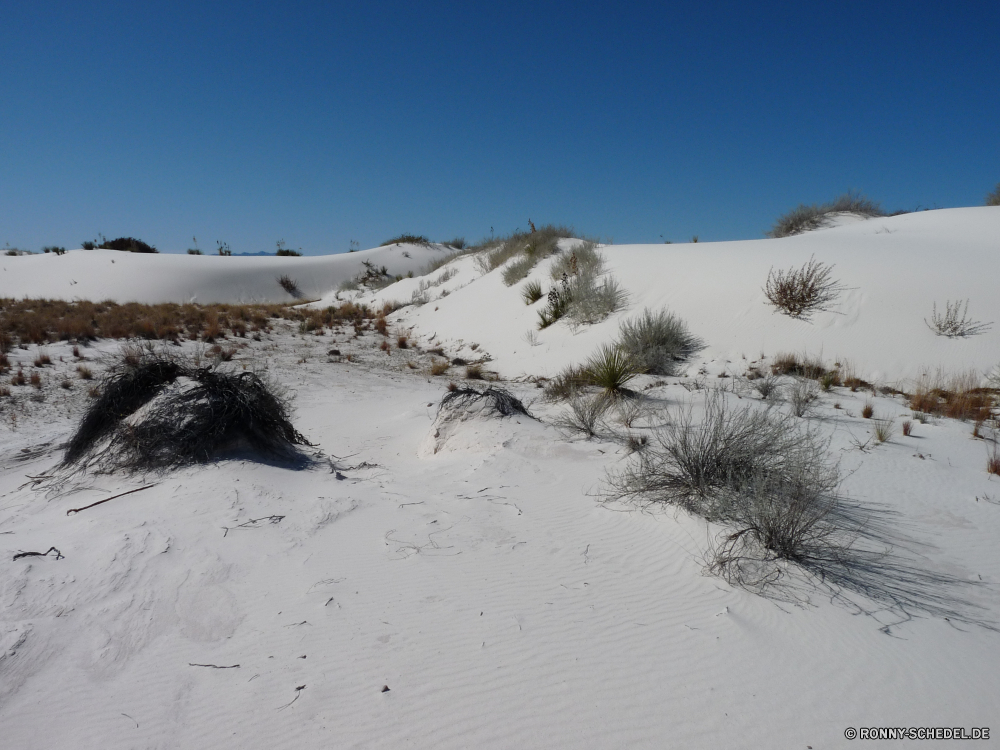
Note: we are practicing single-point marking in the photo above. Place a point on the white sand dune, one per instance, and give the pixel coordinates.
(137, 277)
(468, 564)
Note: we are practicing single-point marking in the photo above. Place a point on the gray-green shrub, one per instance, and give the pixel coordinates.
(658, 341)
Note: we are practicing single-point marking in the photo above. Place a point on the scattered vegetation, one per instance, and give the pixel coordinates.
(33, 321)
(533, 246)
(883, 428)
(658, 342)
(958, 397)
(907, 427)
(800, 292)
(805, 218)
(54, 249)
(407, 239)
(955, 323)
(993, 198)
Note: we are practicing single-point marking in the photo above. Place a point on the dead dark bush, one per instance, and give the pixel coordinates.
(154, 413)
(128, 244)
(496, 401)
(289, 284)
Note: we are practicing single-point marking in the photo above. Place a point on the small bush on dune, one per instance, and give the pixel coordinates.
(591, 301)
(585, 414)
(698, 466)
(407, 239)
(806, 218)
(517, 269)
(658, 342)
(584, 258)
(800, 292)
(993, 198)
(955, 322)
(290, 285)
(533, 246)
(532, 292)
(128, 244)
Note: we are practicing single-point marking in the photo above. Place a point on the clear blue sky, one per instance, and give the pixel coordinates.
(319, 123)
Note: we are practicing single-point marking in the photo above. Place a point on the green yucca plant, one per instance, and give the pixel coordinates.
(611, 368)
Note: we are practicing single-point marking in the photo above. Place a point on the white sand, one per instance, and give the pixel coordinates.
(475, 572)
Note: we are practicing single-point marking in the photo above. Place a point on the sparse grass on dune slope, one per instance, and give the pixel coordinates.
(805, 218)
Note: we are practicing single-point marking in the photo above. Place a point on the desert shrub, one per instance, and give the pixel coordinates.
(407, 239)
(474, 372)
(458, 243)
(993, 198)
(800, 292)
(284, 252)
(287, 283)
(584, 258)
(155, 413)
(658, 342)
(704, 467)
(591, 301)
(88, 245)
(802, 397)
(517, 269)
(584, 414)
(767, 386)
(532, 292)
(128, 244)
(868, 410)
(496, 401)
(955, 322)
(194, 251)
(440, 366)
(788, 519)
(84, 372)
(805, 218)
(610, 368)
(55, 249)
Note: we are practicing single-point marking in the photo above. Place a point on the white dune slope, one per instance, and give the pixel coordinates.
(149, 278)
(468, 564)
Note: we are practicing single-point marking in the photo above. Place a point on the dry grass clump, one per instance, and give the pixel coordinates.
(868, 410)
(584, 414)
(42, 321)
(787, 363)
(959, 397)
(439, 366)
(805, 218)
(883, 428)
(800, 292)
(154, 413)
(474, 372)
(84, 372)
(907, 427)
(993, 460)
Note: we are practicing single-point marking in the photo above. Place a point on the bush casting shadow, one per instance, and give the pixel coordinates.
(771, 486)
(157, 414)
